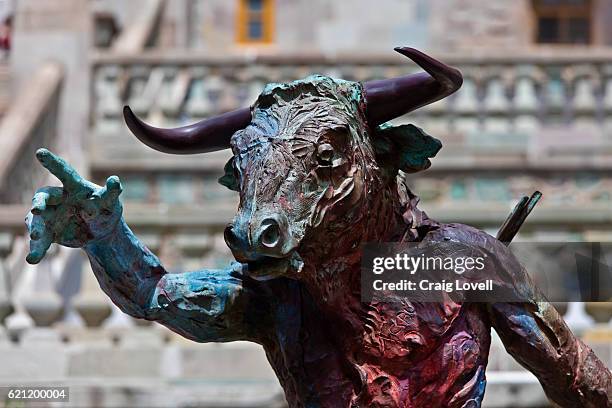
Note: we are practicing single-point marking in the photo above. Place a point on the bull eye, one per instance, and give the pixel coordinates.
(325, 154)
(270, 234)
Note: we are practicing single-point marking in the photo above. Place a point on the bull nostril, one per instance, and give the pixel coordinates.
(230, 237)
(270, 233)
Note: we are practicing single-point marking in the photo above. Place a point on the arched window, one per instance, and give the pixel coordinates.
(563, 21)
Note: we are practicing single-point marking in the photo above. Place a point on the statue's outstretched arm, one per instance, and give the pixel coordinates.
(531, 329)
(536, 335)
(207, 305)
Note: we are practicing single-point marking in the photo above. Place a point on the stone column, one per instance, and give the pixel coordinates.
(37, 305)
(18, 321)
(5, 302)
(40, 299)
(5, 296)
(91, 303)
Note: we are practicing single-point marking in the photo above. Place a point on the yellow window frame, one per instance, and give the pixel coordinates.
(245, 15)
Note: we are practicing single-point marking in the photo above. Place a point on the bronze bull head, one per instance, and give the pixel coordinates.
(312, 155)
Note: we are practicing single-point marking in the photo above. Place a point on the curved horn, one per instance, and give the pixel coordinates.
(389, 98)
(385, 99)
(205, 136)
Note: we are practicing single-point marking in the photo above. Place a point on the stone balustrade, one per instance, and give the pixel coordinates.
(533, 121)
(29, 124)
(504, 106)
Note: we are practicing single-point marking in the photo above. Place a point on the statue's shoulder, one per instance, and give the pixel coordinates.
(468, 236)
(500, 264)
(461, 233)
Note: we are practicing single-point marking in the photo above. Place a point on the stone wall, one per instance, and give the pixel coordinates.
(468, 25)
(364, 26)
(318, 26)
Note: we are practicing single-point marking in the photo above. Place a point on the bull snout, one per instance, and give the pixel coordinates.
(266, 236)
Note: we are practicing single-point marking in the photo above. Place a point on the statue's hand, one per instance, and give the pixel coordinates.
(74, 215)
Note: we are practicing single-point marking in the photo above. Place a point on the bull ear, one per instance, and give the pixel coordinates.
(229, 179)
(406, 147)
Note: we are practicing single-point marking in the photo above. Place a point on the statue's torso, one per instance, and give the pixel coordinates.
(393, 354)
(412, 355)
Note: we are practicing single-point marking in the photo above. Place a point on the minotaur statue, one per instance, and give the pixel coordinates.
(318, 173)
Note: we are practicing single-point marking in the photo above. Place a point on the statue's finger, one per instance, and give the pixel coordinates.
(39, 202)
(38, 249)
(36, 226)
(111, 191)
(69, 177)
(46, 196)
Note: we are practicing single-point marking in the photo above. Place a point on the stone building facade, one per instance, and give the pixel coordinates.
(337, 27)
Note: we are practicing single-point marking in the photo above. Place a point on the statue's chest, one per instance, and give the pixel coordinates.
(404, 354)
(396, 331)
(430, 354)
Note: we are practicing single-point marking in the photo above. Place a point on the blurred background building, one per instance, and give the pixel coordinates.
(535, 112)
